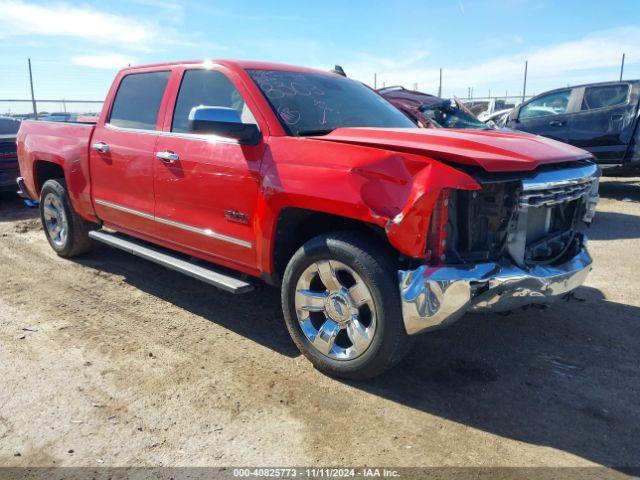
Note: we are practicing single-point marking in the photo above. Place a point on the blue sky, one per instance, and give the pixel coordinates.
(76, 47)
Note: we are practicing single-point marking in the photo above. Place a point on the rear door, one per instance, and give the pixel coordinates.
(547, 115)
(206, 187)
(122, 153)
(604, 123)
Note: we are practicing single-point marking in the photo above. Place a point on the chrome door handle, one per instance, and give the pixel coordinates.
(100, 147)
(168, 157)
(556, 123)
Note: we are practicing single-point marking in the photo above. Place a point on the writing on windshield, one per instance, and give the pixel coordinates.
(313, 104)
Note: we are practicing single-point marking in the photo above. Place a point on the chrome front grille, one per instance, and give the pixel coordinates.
(559, 186)
(554, 195)
(549, 206)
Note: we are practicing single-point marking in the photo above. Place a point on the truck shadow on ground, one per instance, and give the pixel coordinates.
(620, 188)
(616, 225)
(12, 208)
(566, 378)
(256, 316)
(613, 226)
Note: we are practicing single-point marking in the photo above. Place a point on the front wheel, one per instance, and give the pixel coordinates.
(341, 304)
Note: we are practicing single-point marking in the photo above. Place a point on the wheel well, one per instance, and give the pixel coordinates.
(296, 226)
(46, 171)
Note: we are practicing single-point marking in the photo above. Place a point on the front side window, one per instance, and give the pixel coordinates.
(315, 104)
(208, 88)
(553, 104)
(138, 100)
(604, 96)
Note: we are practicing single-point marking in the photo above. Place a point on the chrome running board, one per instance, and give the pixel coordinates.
(173, 262)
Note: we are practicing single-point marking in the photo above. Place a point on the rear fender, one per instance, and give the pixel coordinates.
(63, 144)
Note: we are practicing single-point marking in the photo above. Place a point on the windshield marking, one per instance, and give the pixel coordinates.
(316, 103)
(290, 116)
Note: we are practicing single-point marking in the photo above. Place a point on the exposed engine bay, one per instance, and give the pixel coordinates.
(515, 242)
(532, 220)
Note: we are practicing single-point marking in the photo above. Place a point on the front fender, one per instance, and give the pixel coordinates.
(395, 191)
(407, 230)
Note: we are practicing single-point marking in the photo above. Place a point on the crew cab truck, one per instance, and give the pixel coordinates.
(374, 229)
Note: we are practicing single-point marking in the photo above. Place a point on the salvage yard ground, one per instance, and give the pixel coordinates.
(108, 360)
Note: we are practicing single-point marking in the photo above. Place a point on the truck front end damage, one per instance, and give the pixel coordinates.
(515, 242)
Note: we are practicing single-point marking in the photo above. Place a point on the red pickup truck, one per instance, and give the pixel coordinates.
(375, 230)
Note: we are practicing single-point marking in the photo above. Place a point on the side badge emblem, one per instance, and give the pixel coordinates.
(237, 217)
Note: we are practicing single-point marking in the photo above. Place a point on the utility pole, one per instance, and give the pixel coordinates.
(524, 88)
(375, 81)
(440, 85)
(33, 98)
(622, 67)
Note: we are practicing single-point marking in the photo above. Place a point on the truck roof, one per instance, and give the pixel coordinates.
(237, 64)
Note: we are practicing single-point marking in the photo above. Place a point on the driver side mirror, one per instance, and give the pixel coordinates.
(224, 122)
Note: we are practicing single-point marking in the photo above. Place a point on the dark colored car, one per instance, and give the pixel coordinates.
(430, 111)
(9, 171)
(9, 126)
(600, 117)
(59, 117)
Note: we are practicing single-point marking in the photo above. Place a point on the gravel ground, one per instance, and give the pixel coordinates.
(108, 360)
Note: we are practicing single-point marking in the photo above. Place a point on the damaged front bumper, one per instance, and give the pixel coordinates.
(433, 297)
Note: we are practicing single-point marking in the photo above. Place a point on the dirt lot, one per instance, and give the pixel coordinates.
(110, 360)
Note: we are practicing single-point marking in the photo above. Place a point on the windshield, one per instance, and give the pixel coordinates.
(449, 116)
(315, 104)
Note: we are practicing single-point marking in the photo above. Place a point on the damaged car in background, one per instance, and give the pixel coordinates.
(484, 108)
(374, 230)
(497, 119)
(427, 110)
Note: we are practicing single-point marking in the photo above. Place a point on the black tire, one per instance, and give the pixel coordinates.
(373, 262)
(77, 239)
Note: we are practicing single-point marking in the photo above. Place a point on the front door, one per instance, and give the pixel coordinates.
(206, 187)
(121, 154)
(548, 115)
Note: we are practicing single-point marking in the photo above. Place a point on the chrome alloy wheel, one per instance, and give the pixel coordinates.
(55, 220)
(335, 310)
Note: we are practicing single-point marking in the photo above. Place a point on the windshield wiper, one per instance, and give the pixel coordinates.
(311, 133)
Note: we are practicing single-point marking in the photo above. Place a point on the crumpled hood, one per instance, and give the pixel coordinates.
(493, 150)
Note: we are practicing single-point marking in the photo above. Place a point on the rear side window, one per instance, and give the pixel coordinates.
(604, 96)
(553, 104)
(138, 100)
(208, 88)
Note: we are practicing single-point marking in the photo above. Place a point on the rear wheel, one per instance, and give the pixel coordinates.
(342, 306)
(67, 233)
